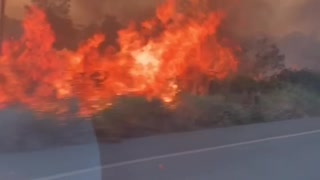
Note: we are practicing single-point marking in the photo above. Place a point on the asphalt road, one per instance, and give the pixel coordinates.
(287, 150)
(52, 161)
(51, 164)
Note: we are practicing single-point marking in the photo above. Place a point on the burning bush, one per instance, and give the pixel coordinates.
(177, 50)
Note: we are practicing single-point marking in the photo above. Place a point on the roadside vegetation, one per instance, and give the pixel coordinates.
(238, 101)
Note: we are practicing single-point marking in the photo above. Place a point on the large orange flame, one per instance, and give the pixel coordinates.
(172, 52)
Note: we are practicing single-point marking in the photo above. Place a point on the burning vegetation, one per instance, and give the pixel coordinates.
(178, 50)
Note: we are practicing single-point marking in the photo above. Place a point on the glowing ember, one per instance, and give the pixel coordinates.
(164, 55)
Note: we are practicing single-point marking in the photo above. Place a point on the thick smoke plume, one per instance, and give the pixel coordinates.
(281, 21)
(269, 16)
(301, 38)
(244, 16)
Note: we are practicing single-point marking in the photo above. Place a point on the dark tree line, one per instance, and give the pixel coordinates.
(69, 35)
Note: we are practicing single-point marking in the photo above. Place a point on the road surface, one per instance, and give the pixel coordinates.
(286, 150)
(48, 162)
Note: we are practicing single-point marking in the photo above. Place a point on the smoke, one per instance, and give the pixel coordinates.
(292, 24)
(301, 38)
(123, 10)
(274, 18)
(245, 16)
(304, 18)
(246, 19)
(301, 51)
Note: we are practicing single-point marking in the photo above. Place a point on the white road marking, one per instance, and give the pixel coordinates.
(195, 151)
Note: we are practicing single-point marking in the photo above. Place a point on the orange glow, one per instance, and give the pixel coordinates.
(178, 50)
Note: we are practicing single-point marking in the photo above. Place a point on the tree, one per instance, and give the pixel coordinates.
(58, 7)
(12, 28)
(304, 78)
(2, 19)
(261, 58)
(58, 14)
(109, 27)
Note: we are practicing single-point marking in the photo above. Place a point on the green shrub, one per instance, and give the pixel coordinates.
(132, 117)
(291, 101)
(211, 111)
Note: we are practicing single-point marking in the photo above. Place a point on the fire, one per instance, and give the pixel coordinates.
(178, 50)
